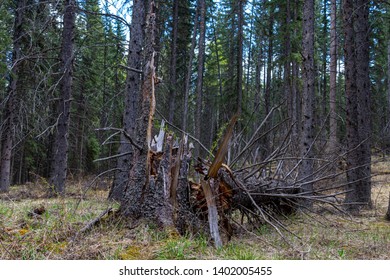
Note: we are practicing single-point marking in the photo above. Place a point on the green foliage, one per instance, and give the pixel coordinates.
(93, 152)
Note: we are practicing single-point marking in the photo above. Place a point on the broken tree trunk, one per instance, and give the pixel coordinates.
(137, 185)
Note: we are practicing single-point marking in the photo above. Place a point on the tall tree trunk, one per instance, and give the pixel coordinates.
(388, 79)
(133, 89)
(240, 54)
(189, 71)
(268, 84)
(199, 84)
(324, 81)
(307, 125)
(143, 195)
(358, 104)
(287, 63)
(59, 163)
(333, 80)
(362, 48)
(9, 114)
(350, 92)
(173, 78)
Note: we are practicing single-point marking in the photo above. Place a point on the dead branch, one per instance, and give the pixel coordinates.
(131, 69)
(92, 223)
(128, 137)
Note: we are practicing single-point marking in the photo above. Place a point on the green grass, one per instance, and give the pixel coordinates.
(52, 234)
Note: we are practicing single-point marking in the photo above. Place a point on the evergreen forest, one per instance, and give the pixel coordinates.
(220, 123)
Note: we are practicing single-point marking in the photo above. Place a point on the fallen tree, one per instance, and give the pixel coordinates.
(160, 191)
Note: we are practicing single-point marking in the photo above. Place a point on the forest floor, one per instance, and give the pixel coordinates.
(35, 227)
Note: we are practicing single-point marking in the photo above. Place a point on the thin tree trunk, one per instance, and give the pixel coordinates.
(199, 85)
(240, 54)
(267, 92)
(308, 75)
(333, 80)
(388, 80)
(59, 164)
(324, 81)
(189, 71)
(133, 88)
(173, 78)
(287, 62)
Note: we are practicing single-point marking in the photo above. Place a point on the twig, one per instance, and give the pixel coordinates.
(128, 137)
(6, 249)
(131, 69)
(92, 223)
(111, 157)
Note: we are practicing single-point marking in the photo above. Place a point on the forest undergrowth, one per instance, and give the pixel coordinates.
(33, 226)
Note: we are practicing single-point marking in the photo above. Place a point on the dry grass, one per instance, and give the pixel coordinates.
(51, 235)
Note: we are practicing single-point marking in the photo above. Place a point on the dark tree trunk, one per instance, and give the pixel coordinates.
(144, 195)
(189, 72)
(388, 80)
(333, 80)
(59, 163)
(287, 63)
(199, 84)
(7, 135)
(268, 85)
(173, 78)
(356, 49)
(307, 125)
(240, 54)
(133, 88)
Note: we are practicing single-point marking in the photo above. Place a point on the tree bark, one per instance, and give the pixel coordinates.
(356, 49)
(240, 54)
(387, 123)
(307, 125)
(333, 80)
(173, 78)
(133, 89)
(268, 84)
(189, 72)
(199, 84)
(59, 163)
(388, 80)
(141, 197)
(7, 135)
(362, 47)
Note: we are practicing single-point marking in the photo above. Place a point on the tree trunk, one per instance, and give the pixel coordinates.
(287, 63)
(333, 80)
(173, 78)
(307, 125)
(59, 163)
(133, 88)
(388, 81)
(189, 72)
(362, 48)
(356, 50)
(199, 84)
(240, 54)
(7, 135)
(268, 85)
(145, 195)
(388, 84)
